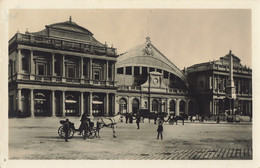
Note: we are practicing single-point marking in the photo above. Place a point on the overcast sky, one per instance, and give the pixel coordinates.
(186, 37)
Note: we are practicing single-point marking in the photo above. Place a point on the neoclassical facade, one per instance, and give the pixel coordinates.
(61, 71)
(210, 82)
(147, 79)
(64, 71)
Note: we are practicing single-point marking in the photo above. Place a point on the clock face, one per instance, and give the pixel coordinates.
(155, 81)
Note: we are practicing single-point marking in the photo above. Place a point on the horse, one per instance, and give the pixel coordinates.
(180, 117)
(108, 122)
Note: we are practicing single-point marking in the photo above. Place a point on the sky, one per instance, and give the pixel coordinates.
(185, 36)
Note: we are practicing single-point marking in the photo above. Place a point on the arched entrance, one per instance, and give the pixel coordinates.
(97, 105)
(182, 107)
(155, 106)
(172, 107)
(191, 108)
(40, 104)
(135, 105)
(122, 106)
(70, 105)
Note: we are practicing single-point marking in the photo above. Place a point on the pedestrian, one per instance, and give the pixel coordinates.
(126, 117)
(160, 129)
(83, 122)
(138, 121)
(66, 128)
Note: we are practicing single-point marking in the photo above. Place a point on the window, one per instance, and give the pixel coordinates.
(119, 70)
(155, 105)
(165, 74)
(122, 106)
(136, 71)
(128, 71)
(57, 67)
(110, 70)
(172, 105)
(159, 70)
(84, 69)
(41, 69)
(71, 72)
(25, 65)
(96, 75)
(152, 69)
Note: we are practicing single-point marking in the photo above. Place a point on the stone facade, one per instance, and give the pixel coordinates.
(61, 71)
(210, 85)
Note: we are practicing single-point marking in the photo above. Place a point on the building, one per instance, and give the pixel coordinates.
(61, 71)
(148, 80)
(221, 87)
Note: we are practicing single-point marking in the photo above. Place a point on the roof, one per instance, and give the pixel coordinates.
(148, 55)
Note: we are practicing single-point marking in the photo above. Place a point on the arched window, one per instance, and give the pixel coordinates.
(172, 106)
(135, 105)
(155, 105)
(182, 106)
(122, 106)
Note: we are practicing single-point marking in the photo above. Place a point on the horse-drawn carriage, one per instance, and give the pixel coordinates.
(88, 130)
(145, 113)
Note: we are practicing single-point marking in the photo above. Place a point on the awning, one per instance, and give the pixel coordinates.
(70, 101)
(97, 102)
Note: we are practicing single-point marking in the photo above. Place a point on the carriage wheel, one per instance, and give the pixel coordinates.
(171, 122)
(62, 133)
(91, 134)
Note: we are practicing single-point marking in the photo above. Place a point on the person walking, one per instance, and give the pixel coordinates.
(138, 120)
(160, 129)
(126, 117)
(66, 128)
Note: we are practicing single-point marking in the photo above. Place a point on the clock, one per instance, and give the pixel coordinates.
(155, 81)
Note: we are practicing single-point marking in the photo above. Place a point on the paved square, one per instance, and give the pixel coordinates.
(38, 139)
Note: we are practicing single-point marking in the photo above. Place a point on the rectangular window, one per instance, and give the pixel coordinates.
(109, 70)
(84, 69)
(57, 67)
(136, 71)
(128, 71)
(41, 69)
(119, 70)
(71, 72)
(96, 75)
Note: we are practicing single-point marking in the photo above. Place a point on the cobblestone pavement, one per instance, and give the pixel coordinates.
(38, 139)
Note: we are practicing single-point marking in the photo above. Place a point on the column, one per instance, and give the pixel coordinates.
(217, 83)
(81, 70)
(63, 104)
(90, 103)
(18, 60)
(107, 71)
(140, 70)
(177, 109)
(81, 103)
(107, 105)
(53, 103)
(31, 103)
(166, 106)
(114, 73)
(128, 104)
(187, 107)
(90, 72)
(63, 69)
(19, 100)
(113, 103)
(52, 67)
(133, 71)
(32, 69)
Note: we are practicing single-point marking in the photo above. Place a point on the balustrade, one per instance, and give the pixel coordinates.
(63, 44)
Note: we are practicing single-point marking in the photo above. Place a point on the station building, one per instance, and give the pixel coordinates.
(61, 71)
(147, 79)
(64, 71)
(210, 84)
